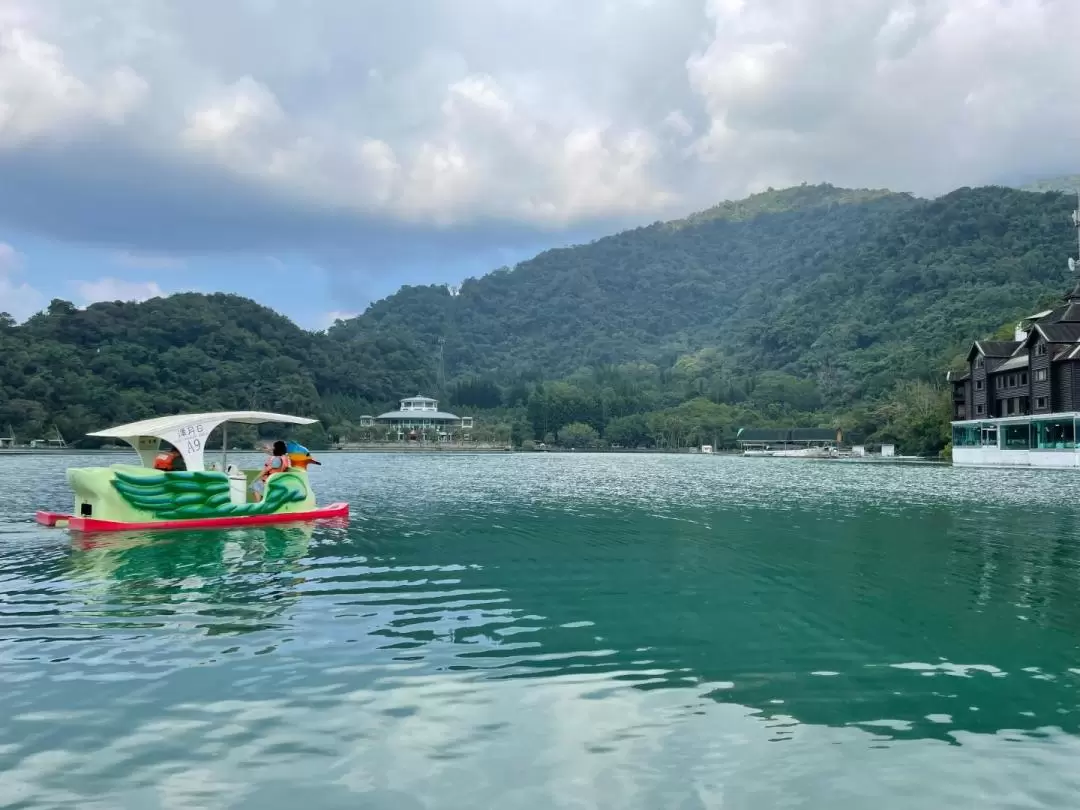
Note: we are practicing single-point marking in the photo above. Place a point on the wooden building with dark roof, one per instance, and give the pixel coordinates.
(1018, 401)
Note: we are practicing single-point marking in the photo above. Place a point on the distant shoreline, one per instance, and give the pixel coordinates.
(389, 448)
(112, 451)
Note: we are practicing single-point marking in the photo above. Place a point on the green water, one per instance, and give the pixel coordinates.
(556, 631)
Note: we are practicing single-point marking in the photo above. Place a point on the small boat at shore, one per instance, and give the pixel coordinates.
(792, 452)
(123, 497)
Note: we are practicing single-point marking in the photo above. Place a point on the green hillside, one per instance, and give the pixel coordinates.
(812, 306)
(849, 289)
(115, 362)
(798, 198)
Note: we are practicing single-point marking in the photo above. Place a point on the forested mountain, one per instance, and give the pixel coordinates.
(850, 289)
(115, 362)
(804, 306)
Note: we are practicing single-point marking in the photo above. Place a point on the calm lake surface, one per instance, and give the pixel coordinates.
(555, 631)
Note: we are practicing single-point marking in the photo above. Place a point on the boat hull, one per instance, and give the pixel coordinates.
(85, 524)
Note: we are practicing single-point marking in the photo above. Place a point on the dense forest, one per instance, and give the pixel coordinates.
(810, 306)
(84, 369)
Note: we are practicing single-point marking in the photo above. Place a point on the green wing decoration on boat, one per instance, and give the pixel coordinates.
(189, 495)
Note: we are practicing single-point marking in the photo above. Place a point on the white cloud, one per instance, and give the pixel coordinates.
(114, 289)
(399, 125)
(503, 116)
(40, 96)
(678, 123)
(914, 95)
(17, 298)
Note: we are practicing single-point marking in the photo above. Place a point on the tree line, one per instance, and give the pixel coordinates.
(806, 307)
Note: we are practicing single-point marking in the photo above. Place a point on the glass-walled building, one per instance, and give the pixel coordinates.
(1020, 441)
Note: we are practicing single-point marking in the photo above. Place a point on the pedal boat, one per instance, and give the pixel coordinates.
(122, 497)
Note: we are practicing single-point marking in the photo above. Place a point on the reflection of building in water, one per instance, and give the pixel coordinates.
(144, 568)
(419, 419)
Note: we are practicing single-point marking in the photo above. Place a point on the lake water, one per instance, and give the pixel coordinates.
(556, 631)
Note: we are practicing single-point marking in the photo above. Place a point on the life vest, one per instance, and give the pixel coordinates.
(269, 468)
(166, 460)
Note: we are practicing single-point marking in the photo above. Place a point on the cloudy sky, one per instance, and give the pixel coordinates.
(317, 154)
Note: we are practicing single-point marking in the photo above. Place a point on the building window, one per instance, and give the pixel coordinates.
(965, 436)
(989, 436)
(1040, 348)
(1012, 381)
(1040, 403)
(1040, 375)
(978, 385)
(1053, 434)
(979, 361)
(1016, 437)
(979, 410)
(1023, 378)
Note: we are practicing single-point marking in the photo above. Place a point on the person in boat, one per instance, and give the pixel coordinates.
(169, 460)
(277, 462)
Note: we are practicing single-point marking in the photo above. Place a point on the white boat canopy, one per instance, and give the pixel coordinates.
(188, 432)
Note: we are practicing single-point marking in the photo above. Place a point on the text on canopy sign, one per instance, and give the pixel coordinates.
(191, 438)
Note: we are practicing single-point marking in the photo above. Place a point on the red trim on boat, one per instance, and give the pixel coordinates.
(50, 518)
(81, 524)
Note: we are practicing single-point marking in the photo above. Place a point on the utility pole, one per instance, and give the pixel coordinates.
(1076, 223)
(440, 369)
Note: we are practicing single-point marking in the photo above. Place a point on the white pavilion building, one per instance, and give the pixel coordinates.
(419, 417)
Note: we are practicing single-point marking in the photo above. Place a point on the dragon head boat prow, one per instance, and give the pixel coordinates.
(126, 496)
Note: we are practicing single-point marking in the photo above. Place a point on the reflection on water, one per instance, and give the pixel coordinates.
(149, 575)
(578, 632)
